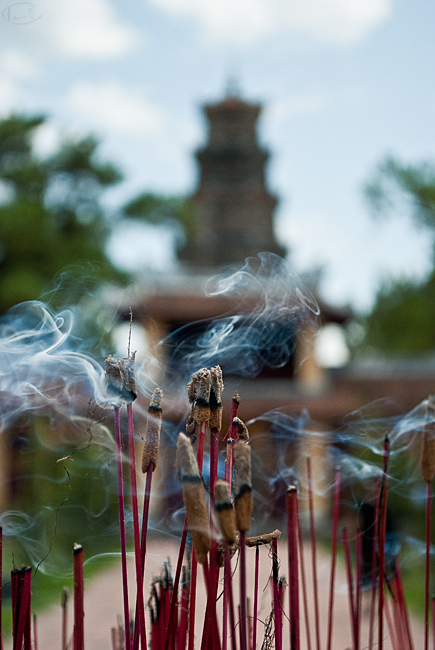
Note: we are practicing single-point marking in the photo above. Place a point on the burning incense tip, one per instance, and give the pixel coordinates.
(217, 387)
(242, 430)
(193, 496)
(243, 501)
(151, 447)
(225, 511)
(236, 397)
(129, 376)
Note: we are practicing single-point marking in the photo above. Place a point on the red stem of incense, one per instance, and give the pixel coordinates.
(304, 585)
(122, 527)
(427, 567)
(256, 575)
(214, 630)
(293, 564)
(243, 613)
(433, 619)
(374, 557)
(381, 535)
(184, 617)
(28, 615)
(194, 568)
(139, 628)
(22, 615)
(276, 604)
(229, 587)
(1, 587)
(79, 639)
(398, 619)
(214, 457)
(391, 627)
(402, 601)
(313, 553)
(349, 584)
(358, 587)
(333, 556)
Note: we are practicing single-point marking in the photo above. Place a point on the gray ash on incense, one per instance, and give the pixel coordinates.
(151, 447)
(242, 430)
(201, 408)
(114, 377)
(216, 388)
(225, 511)
(194, 500)
(243, 491)
(129, 377)
(191, 428)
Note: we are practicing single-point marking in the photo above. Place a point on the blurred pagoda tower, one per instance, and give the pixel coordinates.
(233, 206)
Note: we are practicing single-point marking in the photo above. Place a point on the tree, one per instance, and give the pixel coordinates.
(50, 216)
(157, 209)
(403, 317)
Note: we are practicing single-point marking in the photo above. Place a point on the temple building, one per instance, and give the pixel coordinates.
(233, 206)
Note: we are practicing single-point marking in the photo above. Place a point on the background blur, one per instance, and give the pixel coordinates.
(343, 85)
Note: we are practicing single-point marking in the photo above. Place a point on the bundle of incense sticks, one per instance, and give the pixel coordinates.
(215, 536)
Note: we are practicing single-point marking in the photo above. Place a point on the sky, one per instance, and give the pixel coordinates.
(342, 83)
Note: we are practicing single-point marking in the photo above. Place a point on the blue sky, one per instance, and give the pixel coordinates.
(343, 83)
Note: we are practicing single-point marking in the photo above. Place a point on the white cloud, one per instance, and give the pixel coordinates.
(243, 22)
(88, 29)
(15, 67)
(114, 107)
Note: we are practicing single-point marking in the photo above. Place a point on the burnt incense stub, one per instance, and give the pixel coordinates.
(151, 447)
(194, 500)
(201, 409)
(243, 500)
(225, 511)
(427, 458)
(242, 430)
(129, 376)
(114, 378)
(217, 386)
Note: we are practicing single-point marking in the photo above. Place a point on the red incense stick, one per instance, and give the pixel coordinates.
(350, 585)
(333, 555)
(427, 565)
(358, 587)
(381, 536)
(391, 627)
(402, 601)
(243, 613)
(1, 587)
(276, 604)
(139, 629)
(194, 569)
(374, 563)
(293, 570)
(229, 588)
(79, 639)
(256, 575)
(122, 527)
(313, 553)
(22, 612)
(304, 584)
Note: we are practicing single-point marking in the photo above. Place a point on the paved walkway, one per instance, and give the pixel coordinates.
(103, 602)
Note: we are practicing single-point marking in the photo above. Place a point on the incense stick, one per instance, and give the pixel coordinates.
(293, 566)
(313, 553)
(381, 537)
(64, 605)
(79, 639)
(333, 555)
(256, 576)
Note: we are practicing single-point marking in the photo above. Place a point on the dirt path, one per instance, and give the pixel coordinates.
(103, 602)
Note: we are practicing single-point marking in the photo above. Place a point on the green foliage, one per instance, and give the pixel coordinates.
(403, 317)
(157, 209)
(51, 216)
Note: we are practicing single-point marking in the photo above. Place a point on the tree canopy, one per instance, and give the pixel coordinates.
(50, 212)
(403, 317)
